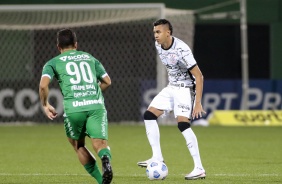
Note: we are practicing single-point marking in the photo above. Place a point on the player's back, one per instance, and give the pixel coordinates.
(77, 73)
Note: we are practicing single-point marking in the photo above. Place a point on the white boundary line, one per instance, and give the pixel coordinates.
(40, 174)
(43, 174)
(242, 175)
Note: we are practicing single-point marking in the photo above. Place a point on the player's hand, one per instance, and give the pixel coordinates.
(198, 111)
(50, 111)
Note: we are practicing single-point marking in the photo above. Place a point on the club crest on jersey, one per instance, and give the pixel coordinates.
(172, 58)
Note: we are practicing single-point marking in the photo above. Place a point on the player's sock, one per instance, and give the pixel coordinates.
(192, 143)
(106, 157)
(105, 151)
(153, 134)
(94, 171)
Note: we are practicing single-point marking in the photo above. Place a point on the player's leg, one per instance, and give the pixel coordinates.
(86, 159)
(75, 131)
(103, 151)
(161, 101)
(183, 109)
(97, 129)
(153, 135)
(192, 145)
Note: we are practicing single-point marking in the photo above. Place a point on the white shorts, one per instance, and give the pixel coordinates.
(180, 100)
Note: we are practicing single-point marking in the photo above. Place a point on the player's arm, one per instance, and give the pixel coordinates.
(43, 94)
(105, 82)
(198, 109)
(102, 76)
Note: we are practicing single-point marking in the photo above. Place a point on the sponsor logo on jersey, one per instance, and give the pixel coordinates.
(86, 102)
(76, 57)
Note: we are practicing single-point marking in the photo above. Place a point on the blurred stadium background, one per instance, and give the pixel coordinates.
(120, 36)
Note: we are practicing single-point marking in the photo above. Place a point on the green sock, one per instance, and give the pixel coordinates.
(105, 151)
(94, 171)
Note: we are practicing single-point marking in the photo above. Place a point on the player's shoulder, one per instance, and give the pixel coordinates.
(180, 44)
(51, 61)
(81, 54)
(87, 54)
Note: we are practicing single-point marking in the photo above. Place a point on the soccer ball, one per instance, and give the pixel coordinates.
(157, 170)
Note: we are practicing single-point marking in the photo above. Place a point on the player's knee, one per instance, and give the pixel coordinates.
(183, 126)
(148, 115)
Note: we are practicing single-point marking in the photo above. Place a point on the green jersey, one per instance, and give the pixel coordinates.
(78, 74)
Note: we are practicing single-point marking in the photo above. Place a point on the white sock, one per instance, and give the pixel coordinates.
(192, 144)
(153, 134)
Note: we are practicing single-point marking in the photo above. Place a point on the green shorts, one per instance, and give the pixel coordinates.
(90, 123)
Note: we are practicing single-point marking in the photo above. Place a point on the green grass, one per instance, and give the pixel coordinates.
(41, 154)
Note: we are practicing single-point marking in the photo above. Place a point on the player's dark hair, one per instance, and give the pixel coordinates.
(164, 22)
(66, 38)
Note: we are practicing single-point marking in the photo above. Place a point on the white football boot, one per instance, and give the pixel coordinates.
(147, 162)
(197, 173)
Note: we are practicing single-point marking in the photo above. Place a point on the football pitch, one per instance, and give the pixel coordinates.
(244, 155)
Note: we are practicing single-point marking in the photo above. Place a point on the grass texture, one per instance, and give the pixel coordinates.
(40, 153)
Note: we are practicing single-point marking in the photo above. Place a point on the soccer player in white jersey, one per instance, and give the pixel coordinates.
(182, 95)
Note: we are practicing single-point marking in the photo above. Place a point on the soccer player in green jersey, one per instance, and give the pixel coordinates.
(82, 78)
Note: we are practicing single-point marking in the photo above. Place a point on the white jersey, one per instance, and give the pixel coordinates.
(178, 60)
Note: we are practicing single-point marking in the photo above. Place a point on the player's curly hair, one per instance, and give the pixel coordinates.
(66, 38)
(163, 22)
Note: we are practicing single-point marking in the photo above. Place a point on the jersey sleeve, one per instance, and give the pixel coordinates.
(187, 56)
(48, 70)
(100, 70)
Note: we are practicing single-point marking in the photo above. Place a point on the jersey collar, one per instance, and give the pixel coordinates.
(170, 45)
